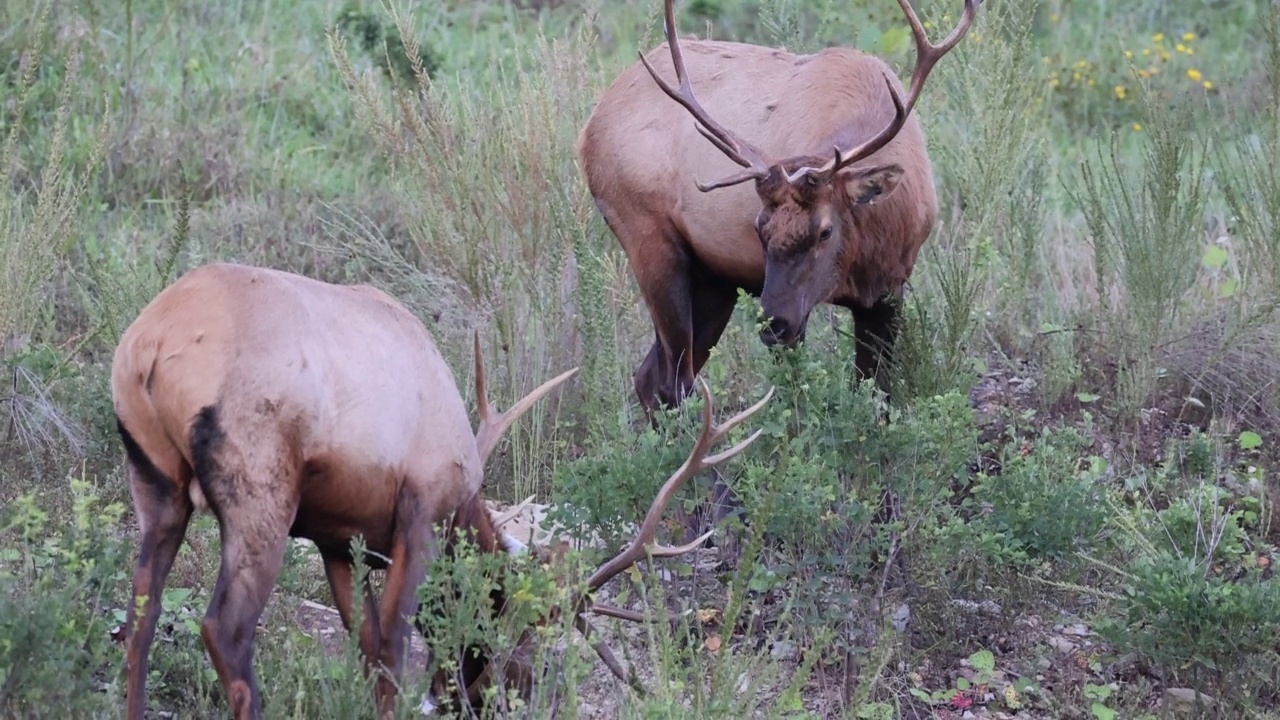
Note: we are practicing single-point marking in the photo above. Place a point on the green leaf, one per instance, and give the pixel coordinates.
(983, 660)
(962, 683)
(1102, 712)
(1215, 256)
(1228, 288)
(1085, 397)
(1249, 440)
(922, 695)
(876, 711)
(1098, 692)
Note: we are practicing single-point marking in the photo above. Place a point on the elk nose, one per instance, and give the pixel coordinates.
(779, 331)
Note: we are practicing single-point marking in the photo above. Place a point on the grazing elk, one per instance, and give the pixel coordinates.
(843, 200)
(293, 407)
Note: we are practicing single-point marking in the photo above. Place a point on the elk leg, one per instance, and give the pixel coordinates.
(713, 304)
(413, 548)
(338, 570)
(664, 275)
(875, 332)
(163, 512)
(690, 309)
(254, 530)
(252, 554)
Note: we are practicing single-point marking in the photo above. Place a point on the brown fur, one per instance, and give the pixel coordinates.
(691, 250)
(290, 407)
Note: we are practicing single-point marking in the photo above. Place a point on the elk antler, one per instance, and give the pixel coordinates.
(511, 514)
(493, 425)
(927, 55)
(643, 545)
(739, 150)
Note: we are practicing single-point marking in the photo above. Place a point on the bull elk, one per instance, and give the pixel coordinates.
(290, 407)
(844, 195)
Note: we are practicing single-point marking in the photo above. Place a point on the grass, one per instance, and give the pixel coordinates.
(1085, 435)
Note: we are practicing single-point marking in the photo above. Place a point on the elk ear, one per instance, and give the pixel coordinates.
(866, 186)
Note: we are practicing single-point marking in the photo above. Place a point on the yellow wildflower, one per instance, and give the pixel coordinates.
(1146, 51)
(1075, 76)
(1092, 82)
(1194, 74)
(1128, 54)
(1121, 92)
(1055, 18)
(1208, 85)
(1158, 37)
(1180, 48)
(1189, 36)
(1191, 51)
(1137, 127)
(1164, 56)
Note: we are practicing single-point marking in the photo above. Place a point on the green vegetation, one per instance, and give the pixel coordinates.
(1068, 514)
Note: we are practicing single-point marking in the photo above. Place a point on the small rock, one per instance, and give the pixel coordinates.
(1077, 629)
(990, 607)
(1061, 644)
(782, 650)
(1183, 699)
(901, 616)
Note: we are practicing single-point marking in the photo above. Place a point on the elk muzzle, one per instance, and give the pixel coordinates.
(787, 300)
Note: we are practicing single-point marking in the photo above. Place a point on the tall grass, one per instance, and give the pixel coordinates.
(500, 232)
(39, 212)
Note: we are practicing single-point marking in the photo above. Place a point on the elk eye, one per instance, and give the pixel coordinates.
(825, 234)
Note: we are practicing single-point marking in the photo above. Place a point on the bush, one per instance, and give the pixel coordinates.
(59, 582)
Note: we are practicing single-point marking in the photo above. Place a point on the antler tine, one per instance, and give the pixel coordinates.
(584, 626)
(736, 148)
(511, 513)
(493, 425)
(927, 55)
(694, 464)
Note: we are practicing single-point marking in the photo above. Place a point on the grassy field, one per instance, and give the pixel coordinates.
(1085, 424)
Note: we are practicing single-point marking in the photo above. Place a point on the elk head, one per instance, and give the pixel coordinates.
(810, 205)
(517, 669)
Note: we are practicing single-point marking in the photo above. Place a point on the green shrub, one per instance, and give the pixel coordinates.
(59, 580)
(1195, 599)
(1041, 503)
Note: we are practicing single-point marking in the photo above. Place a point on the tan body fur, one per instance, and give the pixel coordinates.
(641, 155)
(298, 408)
(327, 362)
